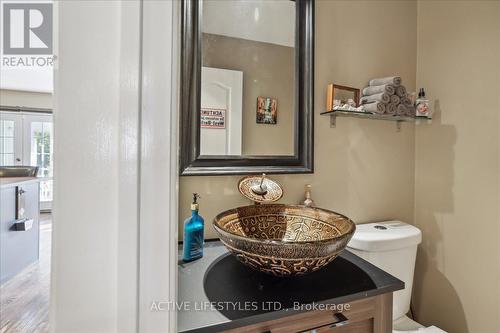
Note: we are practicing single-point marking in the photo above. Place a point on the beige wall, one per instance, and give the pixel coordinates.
(363, 168)
(25, 98)
(457, 167)
(268, 71)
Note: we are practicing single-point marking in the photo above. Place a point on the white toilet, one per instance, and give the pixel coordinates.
(392, 246)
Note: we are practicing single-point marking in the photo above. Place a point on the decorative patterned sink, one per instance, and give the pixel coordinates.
(284, 240)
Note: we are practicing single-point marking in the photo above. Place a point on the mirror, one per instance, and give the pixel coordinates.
(247, 77)
(246, 81)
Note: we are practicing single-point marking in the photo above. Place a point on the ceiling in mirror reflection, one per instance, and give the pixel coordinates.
(259, 20)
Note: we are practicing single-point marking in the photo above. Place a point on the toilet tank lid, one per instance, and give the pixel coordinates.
(385, 236)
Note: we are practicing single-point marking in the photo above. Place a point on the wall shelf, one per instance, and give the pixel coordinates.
(398, 119)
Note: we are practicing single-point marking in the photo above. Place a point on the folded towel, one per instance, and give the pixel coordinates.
(390, 109)
(395, 99)
(375, 107)
(401, 110)
(387, 88)
(401, 91)
(395, 80)
(382, 97)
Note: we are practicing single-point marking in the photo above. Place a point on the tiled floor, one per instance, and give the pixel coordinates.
(24, 300)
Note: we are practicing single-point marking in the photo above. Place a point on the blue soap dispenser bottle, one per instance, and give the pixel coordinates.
(193, 233)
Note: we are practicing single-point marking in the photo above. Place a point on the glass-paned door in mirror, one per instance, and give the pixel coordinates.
(248, 78)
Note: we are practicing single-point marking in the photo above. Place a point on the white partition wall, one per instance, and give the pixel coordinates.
(84, 291)
(115, 214)
(159, 155)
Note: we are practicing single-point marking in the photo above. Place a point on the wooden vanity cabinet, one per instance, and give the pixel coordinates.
(368, 315)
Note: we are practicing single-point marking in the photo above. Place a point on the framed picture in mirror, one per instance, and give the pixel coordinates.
(267, 110)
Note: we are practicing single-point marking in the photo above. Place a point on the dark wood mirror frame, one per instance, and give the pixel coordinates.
(191, 162)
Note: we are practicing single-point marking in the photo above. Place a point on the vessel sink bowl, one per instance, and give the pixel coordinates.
(284, 240)
(18, 171)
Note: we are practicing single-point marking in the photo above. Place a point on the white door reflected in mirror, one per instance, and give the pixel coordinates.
(221, 111)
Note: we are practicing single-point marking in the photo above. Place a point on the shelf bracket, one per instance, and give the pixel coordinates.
(333, 121)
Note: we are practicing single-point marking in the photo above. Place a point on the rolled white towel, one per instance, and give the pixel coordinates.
(376, 107)
(410, 111)
(387, 88)
(394, 80)
(390, 109)
(395, 99)
(401, 110)
(406, 101)
(401, 91)
(382, 97)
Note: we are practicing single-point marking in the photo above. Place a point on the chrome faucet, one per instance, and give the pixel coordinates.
(261, 188)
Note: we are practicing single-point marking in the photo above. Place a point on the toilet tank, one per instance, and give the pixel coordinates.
(391, 246)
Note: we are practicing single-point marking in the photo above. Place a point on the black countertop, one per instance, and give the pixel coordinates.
(220, 293)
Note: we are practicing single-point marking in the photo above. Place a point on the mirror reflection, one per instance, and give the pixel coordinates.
(247, 78)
